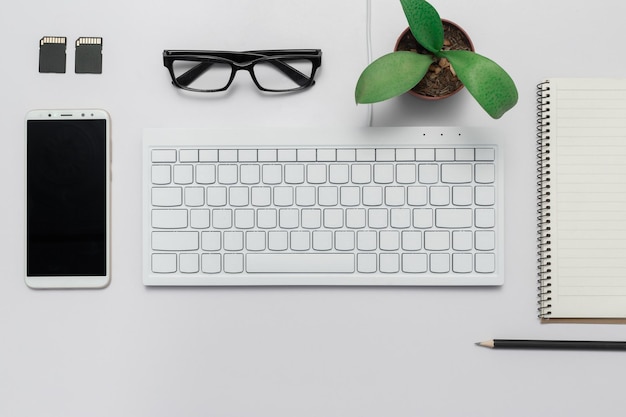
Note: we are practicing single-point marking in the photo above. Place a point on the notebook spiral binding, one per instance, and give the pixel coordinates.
(543, 200)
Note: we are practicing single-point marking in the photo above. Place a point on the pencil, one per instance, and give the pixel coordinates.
(552, 344)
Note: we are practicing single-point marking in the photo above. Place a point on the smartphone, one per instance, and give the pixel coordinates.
(68, 199)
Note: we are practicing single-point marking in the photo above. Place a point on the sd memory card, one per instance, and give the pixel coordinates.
(52, 54)
(88, 58)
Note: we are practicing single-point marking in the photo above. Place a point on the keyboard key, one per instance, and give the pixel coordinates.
(322, 240)
(311, 218)
(439, 196)
(161, 174)
(294, 173)
(361, 174)
(183, 174)
(283, 196)
(211, 263)
(188, 155)
(485, 240)
(350, 196)
(300, 240)
(344, 240)
(484, 218)
(440, 263)
(372, 196)
(462, 195)
(244, 218)
(383, 173)
(227, 174)
(377, 218)
(175, 241)
(216, 196)
(211, 241)
(485, 263)
(462, 263)
(199, 218)
(167, 197)
(227, 155)
(261, 196)
(338, 174)
(406, 173)
(194, 196)
(485, 196)
(233, 241)
(366, 263)
(266, 219)
(250, 174)
(272, 174)
(189, 263)
(327, 196)
(305, 196)
(316, 174)
(417, 195)
(277, 240)
(453, 218)
(389, 263)
(414, 263)
(444, 154)
(222, 218)
(164, 263)
(288, 218)
(484, 173)
(205, 174)
(367, 240)
(456, 173)
(462, 240)
(394, 196)
(436, 240)
(164, 155)
(169, 219)
(333, 218)
(255, 241)
(423, 218)
(294, 262)
(389, 240)
(485, 154)
(428, 173)
(411, 240)
(355, 218)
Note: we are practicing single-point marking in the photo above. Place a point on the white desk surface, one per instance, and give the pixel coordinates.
(129, 350)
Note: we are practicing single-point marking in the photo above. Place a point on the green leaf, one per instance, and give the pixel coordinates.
(425, 23)
(391, 75)
(490, 85)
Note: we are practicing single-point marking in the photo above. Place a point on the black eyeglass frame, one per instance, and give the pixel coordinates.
(244, 60)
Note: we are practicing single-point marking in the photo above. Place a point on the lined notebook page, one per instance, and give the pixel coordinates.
(588, 197)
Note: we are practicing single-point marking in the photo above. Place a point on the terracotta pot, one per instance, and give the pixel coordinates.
(433, 86)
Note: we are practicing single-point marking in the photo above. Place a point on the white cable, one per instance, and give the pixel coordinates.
(368, 35)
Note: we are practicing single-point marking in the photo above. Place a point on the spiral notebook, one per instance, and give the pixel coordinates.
(582, 198)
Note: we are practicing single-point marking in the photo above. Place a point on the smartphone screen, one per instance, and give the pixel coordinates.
(67, 199)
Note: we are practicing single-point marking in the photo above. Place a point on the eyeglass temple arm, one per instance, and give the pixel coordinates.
(295, 75)
(193, 74)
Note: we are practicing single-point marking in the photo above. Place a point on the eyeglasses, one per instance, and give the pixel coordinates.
(272, 70)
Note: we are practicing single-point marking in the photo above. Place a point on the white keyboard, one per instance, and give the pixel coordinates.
(362, 206)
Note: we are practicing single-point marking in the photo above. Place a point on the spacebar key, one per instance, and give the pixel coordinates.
(300, 262)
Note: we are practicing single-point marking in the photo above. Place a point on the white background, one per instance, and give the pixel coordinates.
(129, 350)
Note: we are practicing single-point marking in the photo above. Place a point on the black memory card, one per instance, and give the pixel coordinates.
(52, 54)
(88, 58)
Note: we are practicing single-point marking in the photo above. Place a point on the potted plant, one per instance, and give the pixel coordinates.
(400, 71)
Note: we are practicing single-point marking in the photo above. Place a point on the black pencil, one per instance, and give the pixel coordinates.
(553, 344)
